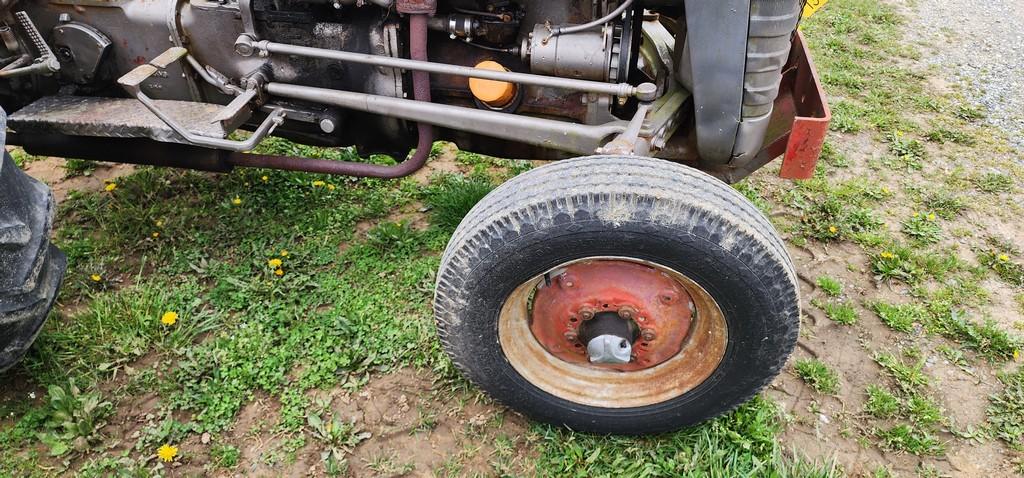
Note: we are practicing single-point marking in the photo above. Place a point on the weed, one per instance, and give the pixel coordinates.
(881, 402)
(909, 378)
(1003, 265)
(744, 443)
(1006, 410)
(840, 312)
(451, 198)
(830, 286)
(338, 437)
(943, 135)
(945, 204)
(896, 263)
(923, 228)
(993, 183)
(909, 152)
(907, 438)
(969, 113)
(985, 338)
(74, 419)
(901, 317)
(225, 456)
(79, 167)
(817, 375)
(750, 191)
(21, 158)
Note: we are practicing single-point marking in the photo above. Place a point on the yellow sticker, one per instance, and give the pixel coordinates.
(812, 7)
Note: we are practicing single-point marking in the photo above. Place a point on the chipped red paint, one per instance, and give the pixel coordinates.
(810, 119)
(658, 304)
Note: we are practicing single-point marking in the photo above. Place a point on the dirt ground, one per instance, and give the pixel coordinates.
(411, 426)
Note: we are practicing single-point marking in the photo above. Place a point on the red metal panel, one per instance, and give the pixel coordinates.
(812, 115)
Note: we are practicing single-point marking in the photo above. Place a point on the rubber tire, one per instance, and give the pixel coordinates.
(631, 207)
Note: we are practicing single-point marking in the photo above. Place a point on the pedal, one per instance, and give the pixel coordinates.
(229, 117)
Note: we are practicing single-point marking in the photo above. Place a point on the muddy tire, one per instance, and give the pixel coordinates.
(690, 275)
(31, 269)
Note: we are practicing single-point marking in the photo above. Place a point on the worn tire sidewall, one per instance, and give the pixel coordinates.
(757, 304)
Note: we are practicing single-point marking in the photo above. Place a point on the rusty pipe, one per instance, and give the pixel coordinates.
(421, 92)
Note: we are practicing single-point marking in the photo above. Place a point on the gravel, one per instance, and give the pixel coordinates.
(981, 46)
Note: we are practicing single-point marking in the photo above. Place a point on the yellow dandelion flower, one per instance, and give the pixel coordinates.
(885, 190)
(110, 187)
(169, 318)
(899, 134)
(274, 263)
(833, 229)
(96, 277)
(1016, 355)
(931, 217)
(1003, 257)
(917, 214)
(330, 187)
(156, 234)
(887, 255)
(318, 184)
(167, 452)
(284, 252)
(264, 178)
(159, 223)
(279, 272)
(236, 201)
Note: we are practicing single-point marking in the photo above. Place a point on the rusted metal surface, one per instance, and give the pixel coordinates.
(800, 120)
(572, 378)
(416, 6)
(657, 304)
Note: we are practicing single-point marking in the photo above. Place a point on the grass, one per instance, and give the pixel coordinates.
(900, 317)
(818, 375)
(839, 312)
(1006, 410)
(358, 257)
(830, 286)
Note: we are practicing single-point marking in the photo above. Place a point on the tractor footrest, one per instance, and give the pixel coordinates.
(115, 118)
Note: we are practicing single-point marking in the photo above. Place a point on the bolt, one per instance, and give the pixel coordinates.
(627, 312)
(570, 336)
(586, 313)
(648, 335)
(64, 18)
(567, 280)
(327, 125)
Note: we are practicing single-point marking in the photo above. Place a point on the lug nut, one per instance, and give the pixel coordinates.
(570, 336)
(648, 335)
(586, 313)
(627, 312)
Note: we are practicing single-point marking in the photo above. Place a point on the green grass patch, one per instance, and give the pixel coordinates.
(901, 317)
(830, 286)
(818, 375)
(840, 312)
(1006, 410)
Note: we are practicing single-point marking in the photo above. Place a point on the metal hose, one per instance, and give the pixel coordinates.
(564, 30)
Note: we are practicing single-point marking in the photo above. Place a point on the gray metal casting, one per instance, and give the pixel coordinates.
(609, 349)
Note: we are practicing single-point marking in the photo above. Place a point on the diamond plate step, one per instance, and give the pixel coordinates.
(114, 118)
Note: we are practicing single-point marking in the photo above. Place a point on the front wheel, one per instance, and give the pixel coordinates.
(617, 295)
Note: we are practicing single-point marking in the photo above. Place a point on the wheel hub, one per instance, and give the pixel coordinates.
(612, 314)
